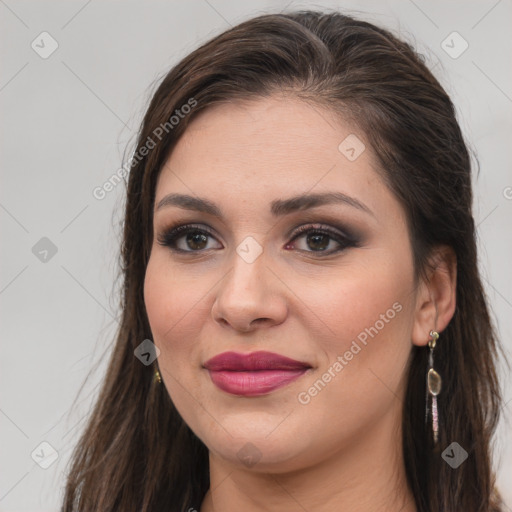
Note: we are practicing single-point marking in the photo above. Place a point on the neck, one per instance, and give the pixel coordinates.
(366, 474)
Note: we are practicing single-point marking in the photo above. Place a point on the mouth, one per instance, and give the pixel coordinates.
(253, 374)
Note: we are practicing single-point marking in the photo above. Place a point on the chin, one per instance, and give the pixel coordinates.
(259, 455)
(260, 448)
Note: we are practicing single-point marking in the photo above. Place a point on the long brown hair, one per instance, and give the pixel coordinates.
(136, 453)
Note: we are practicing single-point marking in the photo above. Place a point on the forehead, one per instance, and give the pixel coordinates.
(286, 133)
(275, 129)
(252, 152)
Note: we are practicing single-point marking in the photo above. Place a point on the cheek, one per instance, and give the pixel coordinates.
(170, 299)
(177, 308)
(158, 298)
(171, 304)
(362, 302)
(368, 313)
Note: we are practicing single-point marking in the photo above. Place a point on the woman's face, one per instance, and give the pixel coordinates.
(338, 299)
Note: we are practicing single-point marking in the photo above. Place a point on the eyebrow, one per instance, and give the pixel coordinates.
(278, 207)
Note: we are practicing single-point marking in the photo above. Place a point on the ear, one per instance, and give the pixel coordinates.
(436, 295)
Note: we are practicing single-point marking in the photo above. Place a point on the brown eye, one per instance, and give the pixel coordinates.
(194, 239)
(318, 240)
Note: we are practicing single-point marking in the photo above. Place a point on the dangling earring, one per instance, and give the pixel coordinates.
(433, 387)
(157, 377)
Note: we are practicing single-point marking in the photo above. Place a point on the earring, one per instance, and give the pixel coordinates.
(433, 387)
(157, 377)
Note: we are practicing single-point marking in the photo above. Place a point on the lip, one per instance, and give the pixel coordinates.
(255, 373)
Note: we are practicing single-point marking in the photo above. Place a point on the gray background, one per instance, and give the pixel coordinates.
(66, 121)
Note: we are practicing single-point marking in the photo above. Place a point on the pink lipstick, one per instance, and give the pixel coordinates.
(253, 374)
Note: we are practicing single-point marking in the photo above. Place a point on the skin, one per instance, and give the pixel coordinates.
(341, 450)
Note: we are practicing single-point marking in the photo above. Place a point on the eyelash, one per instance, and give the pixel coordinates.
(170, 235)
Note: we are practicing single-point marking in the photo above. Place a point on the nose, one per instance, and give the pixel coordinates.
(250, 296)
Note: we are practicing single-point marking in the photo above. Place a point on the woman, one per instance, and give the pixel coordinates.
(299, 251)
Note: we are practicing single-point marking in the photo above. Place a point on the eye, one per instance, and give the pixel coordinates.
(319, 238)
(194, 239)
